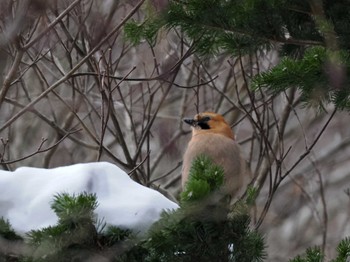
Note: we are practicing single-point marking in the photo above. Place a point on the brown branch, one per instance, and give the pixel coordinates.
(282, 177)
(52, 124)
(10, 75)
(324, 206)
(89, 132)
(121, 140)
(308, 149)
(40, 150)
(130, 173)
(75, 68)
(162, 99)
(166, 174)
(272, 39)
(163, 151)
(259, 180)
(50, 26)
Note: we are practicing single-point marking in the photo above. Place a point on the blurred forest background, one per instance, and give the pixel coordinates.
(86, 80)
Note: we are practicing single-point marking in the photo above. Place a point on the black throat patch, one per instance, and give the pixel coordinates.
(203, 125)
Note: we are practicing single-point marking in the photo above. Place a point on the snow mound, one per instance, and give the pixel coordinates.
(27, 193)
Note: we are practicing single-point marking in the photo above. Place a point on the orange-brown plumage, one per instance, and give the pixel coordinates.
(212, 136)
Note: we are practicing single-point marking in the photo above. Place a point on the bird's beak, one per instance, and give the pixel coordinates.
(190, 121)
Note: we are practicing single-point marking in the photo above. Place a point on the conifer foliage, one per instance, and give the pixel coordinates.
(204, 228)
(312, 37)
(315, 254)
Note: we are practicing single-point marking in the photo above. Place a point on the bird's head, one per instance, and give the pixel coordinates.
(209, 122)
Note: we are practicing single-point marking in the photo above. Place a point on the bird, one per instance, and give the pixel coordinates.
(213, 137)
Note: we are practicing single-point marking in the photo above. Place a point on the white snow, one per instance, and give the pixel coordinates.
(27, 193)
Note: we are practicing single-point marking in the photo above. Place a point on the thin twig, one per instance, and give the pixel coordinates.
(324, 206)
(166, 174)
(130, 173)
(40, 150)
(75, 68)
(11, 74)
(50, 26)
(308, 149)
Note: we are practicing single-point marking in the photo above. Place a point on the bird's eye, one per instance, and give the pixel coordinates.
(205, 119)
(203, 122)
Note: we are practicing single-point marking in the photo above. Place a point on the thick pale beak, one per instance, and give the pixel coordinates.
(190, 121)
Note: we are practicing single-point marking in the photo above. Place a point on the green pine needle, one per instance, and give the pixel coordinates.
(343, 250)
(72, 209)
(204, 178)
(6, 230)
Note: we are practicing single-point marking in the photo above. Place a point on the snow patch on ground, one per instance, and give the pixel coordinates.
(26, 195)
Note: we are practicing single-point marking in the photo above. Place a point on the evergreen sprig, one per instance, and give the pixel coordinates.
(71, 209)
(321, 77)
(197, 231)
(205, 178)
(202, 230)
(343, 250)
(75, 231)
(311, 255)
(7, 232)
(113, 235)
(239, 27)
(136, 32)
(315, 254)
(8, 236)
(232, 26)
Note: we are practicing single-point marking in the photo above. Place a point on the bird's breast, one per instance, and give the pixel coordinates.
(220, 149)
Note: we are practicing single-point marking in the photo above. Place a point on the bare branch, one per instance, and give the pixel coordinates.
(75, 68)
(40, 150)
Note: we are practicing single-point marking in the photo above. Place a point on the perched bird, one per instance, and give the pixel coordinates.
(213, 137)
